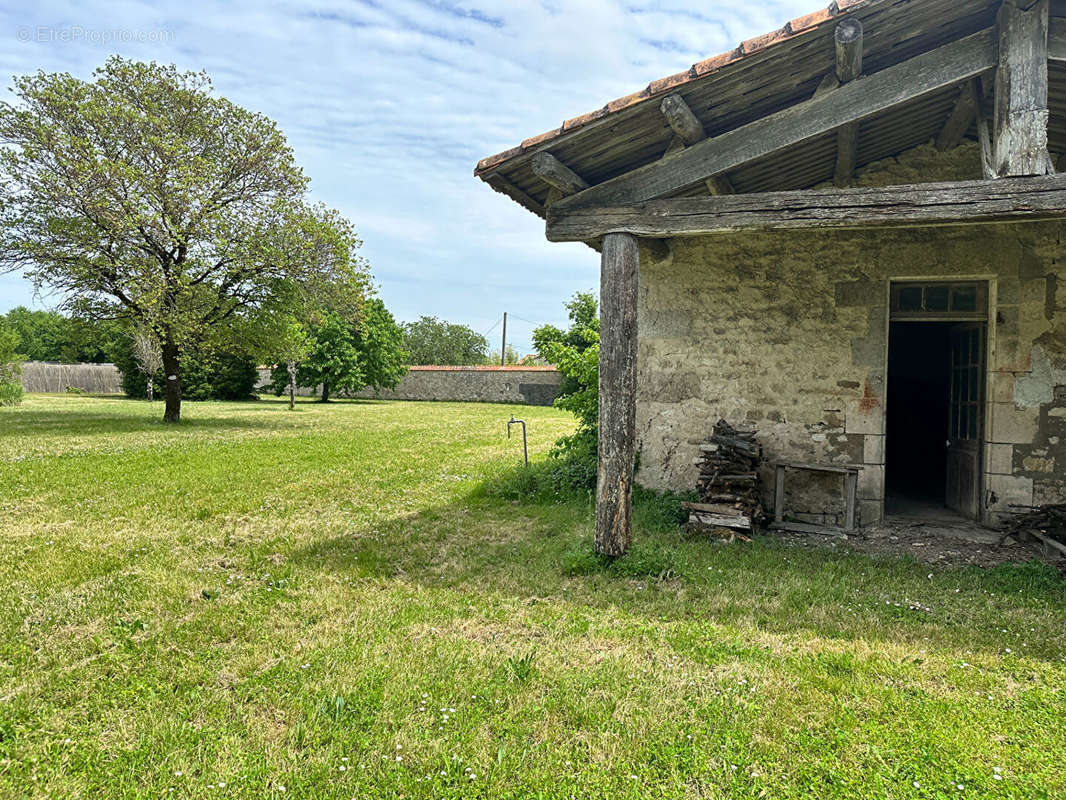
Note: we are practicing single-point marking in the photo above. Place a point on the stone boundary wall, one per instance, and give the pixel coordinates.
(46, 376)
(534, 386)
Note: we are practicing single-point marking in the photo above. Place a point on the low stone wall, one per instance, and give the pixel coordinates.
(45, 376)
(533, 386)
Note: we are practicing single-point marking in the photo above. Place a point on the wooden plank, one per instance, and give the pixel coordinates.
(617, 393)
(681, 119)
(1020, 114)
(715, 508)
(851, 481)
(958, 121)
(722, 521)
(818, 467)
(852, 102)
(555, 173)
(807, 527)
(951, 203)
(779, 492)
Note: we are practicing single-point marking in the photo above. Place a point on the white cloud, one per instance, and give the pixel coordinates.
(390, 103)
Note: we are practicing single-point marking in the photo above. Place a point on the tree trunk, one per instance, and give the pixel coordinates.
(151, 390)
(325, 392)
(172, 371)
(291, 367)
(617, 393)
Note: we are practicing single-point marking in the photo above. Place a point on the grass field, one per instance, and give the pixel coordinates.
(329, 604)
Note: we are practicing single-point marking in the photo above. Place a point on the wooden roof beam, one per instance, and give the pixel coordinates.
(556, 174)
(889, 88)
(1020, 114)
(681, 119)
(920, 205)
(848, 40)
(958, 122)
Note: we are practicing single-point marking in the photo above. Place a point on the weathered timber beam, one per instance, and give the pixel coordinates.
(888, 88)
(958, 121)
(1056, 39)
(848, 39)
(1020, 115)
(555, 173)
(681, 119)
(617, 389)
(930, 204)
(504, 186)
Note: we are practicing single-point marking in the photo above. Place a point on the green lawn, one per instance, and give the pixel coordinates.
(327, 604)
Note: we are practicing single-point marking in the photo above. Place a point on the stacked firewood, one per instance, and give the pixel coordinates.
(729, 484)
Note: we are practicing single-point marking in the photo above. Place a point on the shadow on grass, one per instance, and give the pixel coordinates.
(535, 550)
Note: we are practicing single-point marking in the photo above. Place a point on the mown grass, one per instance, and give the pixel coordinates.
(345, 601)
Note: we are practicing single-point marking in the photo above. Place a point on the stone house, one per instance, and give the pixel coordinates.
(847, 232)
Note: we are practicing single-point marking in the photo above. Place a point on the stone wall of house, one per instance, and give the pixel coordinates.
(788, 331)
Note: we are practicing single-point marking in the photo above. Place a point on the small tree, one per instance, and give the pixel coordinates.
(576, 354)
(142, 195)
(10, 366)
(148, 355)
(292, 346)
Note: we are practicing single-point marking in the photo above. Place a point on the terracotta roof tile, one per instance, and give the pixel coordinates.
(584, 119)
(812, 20)
(533, 141)
(713, 63)
(665, 84)
(628, 100)
(755, 44)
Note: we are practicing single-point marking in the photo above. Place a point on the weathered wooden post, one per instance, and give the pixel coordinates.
(618, 380)
(1020, 118)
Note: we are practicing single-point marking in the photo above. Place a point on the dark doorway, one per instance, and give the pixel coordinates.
(919, 397)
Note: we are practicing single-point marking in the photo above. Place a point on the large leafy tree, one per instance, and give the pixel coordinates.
(332, 358)
(433, 341)
(142, 195)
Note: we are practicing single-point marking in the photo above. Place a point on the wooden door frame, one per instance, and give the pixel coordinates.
(991, 280)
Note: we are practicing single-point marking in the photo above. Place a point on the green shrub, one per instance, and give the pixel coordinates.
(210, 372)
(10, 392)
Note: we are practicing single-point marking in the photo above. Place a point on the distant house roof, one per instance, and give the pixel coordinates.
(760, 77)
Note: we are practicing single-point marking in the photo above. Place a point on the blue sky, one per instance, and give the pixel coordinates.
(388, 105)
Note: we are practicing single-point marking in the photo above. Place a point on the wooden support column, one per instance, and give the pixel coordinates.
(1020, 116)
(618, 381)
(848, 38)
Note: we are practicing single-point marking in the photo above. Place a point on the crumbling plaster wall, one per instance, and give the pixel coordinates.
(788, 331)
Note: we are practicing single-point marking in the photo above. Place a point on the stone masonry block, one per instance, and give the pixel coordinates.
(873, 449)
(1000, 458)
(1011, 490)
(871, 511)
(863, 416)
(872, 482)
(1011, 425)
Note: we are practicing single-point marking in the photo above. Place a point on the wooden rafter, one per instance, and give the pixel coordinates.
(961, 116)
(891, 87)
(681, 119)
(556, 174)
(950, 203)
(848, 40)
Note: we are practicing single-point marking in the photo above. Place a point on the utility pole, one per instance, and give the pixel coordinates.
(503, 347)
